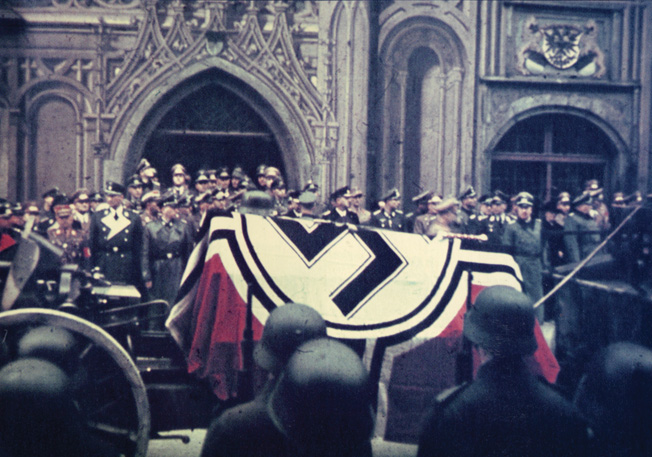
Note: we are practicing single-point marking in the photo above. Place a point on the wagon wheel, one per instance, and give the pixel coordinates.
(112, 396)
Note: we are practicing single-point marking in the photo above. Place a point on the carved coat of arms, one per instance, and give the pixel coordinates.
(561, 48)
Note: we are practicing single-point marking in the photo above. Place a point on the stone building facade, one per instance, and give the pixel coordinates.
(436, 94)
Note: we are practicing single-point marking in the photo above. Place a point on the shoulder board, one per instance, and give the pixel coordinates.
(183, 221)
(450, 394)
(377, 212)
(482, 217)
(327, 213)
(510, 221)
(398, 211)
(473, 216)
(410, 214)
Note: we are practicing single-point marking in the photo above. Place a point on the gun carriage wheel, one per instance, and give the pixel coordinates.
(109, 391)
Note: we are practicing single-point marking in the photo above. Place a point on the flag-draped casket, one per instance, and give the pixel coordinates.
(400, 297)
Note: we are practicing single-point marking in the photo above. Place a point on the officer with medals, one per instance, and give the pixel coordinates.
(507, 410)
(180, 179)
(340, 211)
(73, 242)
(150, 207)
(389, 216)
(116, 239)
(523, 239)
(581, 231)
(167, 243)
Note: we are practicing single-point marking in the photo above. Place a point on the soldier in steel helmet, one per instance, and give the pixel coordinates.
(322, 402)
(247, 430)
(615, 396)
(506, 411)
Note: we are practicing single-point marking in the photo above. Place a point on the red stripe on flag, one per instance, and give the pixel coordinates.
(6, 242)
(218, 323)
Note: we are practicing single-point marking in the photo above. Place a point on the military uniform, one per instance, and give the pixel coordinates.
(73, 242)
(166, 248)
(116, 239)
(422, 222)
(505, 412)
(334, 215)
(392, 221)
(524, 240)
(579, 245)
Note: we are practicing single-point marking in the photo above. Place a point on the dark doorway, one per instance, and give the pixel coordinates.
(550, 153)
(210, 128)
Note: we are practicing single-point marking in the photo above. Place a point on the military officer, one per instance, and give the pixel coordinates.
(279, 192)
(446, 218)
(523, 238)
(116, 239)
(73, 242)
(150, 207)
(581, 232)
(423, 221)
(96, 200)
(167, 243)
(421, 202)
(223, 180)
(180, 179)
(46, 219)
(356, 205)
(237, 177)
(389, 217)
(201, 183)
(82, 208)
(554, 253)
(134, 194)
(340, 211)
(468, 201)
(261, 180)
(506, 411)
(307, 202)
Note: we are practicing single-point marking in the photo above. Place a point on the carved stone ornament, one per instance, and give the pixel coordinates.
(562, 49)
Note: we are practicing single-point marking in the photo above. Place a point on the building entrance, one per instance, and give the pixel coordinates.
(210, 127)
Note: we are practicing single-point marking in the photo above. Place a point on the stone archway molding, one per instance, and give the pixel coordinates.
(286, 122)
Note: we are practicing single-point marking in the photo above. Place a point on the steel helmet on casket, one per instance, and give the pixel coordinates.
(287, 327)
(323, 396)
(502, 322)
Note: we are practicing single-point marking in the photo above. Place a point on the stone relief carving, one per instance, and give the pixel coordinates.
(566, 49)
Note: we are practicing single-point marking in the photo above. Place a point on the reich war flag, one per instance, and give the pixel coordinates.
(401, 296)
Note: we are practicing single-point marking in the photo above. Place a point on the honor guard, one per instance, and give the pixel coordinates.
(581, 232)
(116, 239)
(506, 411)
(167, 243)
(73, 242)
(340, 211)
(247, 430)
(389, 216)
(523, 238)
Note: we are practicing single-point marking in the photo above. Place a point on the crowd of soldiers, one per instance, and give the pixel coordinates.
(317, 399)
(141, 233)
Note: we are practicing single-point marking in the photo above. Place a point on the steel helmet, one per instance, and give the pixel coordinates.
(502, 322)
(287, 327)
(257, 202)
(323, 396)
(54, 344)
(615, 396)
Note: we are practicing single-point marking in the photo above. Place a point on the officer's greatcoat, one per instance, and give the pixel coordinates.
(524, 240)
(166, 248)
(116, 240)
(581, 235)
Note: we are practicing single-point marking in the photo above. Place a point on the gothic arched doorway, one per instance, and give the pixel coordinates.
(207, 122)
(549, 153)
